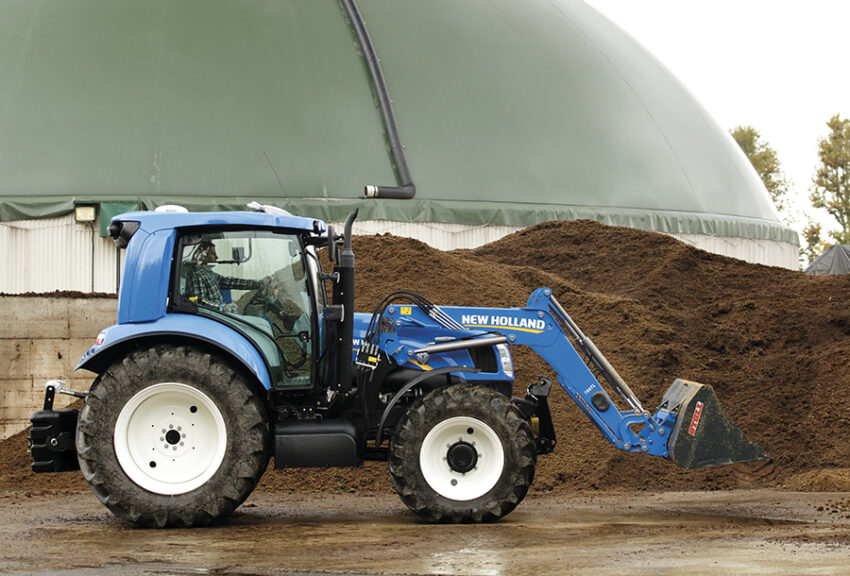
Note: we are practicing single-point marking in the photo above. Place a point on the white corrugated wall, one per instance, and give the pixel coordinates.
(56, 253)
(437, 234)
(767, 252)
(451, 236)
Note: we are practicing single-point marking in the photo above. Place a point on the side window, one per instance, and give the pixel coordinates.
(207, 278)
(255, 281)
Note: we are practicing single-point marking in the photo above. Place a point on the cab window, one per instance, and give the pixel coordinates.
(255, 282)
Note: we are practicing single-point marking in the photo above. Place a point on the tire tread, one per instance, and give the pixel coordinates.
(230, 486)
(520, 454)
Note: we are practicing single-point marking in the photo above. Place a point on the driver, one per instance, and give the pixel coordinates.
(207, 285)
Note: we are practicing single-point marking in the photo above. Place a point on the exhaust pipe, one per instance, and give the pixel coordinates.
(344, 294)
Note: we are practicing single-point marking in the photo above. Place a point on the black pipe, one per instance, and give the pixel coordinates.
(344, 294)
(392, 192)
(407, 189)
(379, 437)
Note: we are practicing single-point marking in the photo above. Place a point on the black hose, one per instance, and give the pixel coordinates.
(407, 189)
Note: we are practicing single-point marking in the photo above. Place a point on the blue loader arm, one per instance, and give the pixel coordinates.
(673, 431)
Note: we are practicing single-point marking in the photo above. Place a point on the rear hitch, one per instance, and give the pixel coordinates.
(54, 387)
(535, 407)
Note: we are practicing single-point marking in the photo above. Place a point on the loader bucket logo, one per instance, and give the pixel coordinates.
(695, 420)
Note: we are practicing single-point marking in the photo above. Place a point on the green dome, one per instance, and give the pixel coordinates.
(510, 113)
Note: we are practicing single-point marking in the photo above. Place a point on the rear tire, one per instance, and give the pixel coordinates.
(172, 436)
(462, 454)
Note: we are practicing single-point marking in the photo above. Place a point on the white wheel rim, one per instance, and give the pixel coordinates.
(170, 438)
(449, 483)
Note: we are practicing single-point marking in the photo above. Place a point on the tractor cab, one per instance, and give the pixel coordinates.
(243, 285)
(260, 283)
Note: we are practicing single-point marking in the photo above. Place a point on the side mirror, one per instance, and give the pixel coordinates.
(238, 255)
(333, 313)
(331, 244)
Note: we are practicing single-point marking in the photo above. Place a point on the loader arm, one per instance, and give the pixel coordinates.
(690, 426)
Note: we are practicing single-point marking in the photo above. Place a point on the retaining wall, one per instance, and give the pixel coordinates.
(42, 338)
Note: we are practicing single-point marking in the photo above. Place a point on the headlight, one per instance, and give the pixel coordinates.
(506, 360)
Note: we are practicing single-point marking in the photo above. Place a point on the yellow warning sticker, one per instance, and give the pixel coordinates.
(406, 310)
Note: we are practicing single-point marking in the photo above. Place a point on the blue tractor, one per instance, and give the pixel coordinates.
(228, 351)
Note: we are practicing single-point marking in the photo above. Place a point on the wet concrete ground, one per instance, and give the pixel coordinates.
(693, 533)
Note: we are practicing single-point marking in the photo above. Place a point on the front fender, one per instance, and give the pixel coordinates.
(185, 326)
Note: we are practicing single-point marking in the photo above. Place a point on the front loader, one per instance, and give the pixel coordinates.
(227, 353)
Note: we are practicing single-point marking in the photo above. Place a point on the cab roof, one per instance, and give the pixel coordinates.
(154, 221)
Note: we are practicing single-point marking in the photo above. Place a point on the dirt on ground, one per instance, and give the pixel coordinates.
(741, 533)
(774, 344)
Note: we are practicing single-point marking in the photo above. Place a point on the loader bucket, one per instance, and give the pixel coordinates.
(704, 435)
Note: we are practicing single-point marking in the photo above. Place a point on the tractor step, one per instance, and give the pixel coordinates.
(317, 443)
(704, 434)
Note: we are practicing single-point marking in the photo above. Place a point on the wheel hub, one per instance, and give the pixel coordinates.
(462, 457)
(170, 438)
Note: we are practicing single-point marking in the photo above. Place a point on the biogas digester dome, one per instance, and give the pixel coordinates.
(508, 113)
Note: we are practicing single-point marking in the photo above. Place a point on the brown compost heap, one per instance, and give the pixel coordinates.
(774, 344)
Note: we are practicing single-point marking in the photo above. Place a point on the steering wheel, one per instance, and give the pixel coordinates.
(303, 338)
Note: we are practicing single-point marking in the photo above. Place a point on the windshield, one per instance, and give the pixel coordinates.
(256, 282)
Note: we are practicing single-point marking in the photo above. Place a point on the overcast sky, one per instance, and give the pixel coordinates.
(780, 66)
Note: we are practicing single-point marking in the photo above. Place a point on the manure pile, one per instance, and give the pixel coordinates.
(774, 344)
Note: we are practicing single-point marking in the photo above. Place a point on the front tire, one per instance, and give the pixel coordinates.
(172, 436)
(462, 454)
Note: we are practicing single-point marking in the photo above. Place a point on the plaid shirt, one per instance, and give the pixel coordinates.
(207, 285)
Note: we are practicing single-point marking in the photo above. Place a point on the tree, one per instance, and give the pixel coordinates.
(831, 184)
(814, 245)
(764, 159)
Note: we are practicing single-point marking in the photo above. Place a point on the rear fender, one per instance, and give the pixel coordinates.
(114, 340)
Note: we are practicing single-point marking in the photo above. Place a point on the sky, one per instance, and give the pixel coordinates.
(780, 66)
